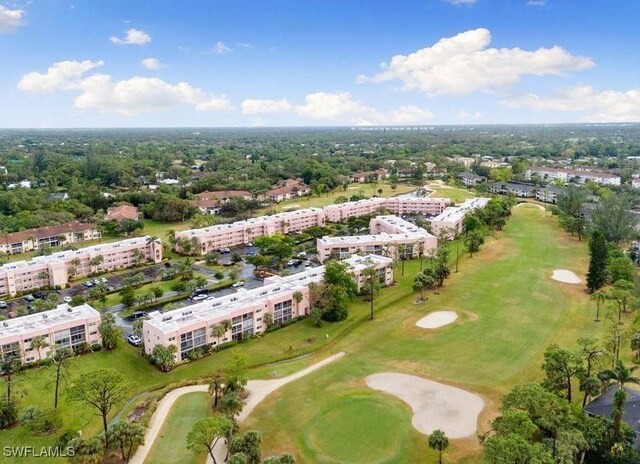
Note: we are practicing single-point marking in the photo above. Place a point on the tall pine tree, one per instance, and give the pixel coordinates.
(597, 274)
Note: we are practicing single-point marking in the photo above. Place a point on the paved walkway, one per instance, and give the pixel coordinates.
(257, 391)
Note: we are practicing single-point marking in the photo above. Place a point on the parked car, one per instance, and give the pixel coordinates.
(199, 297)
(134, 340)
(239, 283)
(96, 281)
(249, 244)
(137, 314)
(67, 299)
(3, 304)
(39, 294)
(103, 280)
(87, 284)
(252, 253)
(29, 298)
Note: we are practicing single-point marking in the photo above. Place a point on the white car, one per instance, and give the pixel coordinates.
(67, 299)
(134, 340)
(239, 283)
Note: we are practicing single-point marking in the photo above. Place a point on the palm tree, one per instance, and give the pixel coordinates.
(599, 296)
(42, 275)
(620, 374)
(297, 297)
(38, 343)
(420, 284)
(439, 442)
(218, 332)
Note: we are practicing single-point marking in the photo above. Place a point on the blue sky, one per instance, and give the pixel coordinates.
(310, 63)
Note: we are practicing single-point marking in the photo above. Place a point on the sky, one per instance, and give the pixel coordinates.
(122, 63)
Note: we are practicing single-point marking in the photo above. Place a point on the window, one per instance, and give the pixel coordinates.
(282, 312)
(191, 340)
(242, 326)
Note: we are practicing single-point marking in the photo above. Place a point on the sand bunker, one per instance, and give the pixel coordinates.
(437, 319)
(434, 405)
(567, 277)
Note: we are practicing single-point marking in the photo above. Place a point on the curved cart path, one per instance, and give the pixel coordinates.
(257, 391)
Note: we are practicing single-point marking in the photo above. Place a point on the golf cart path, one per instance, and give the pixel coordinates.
(257, 391)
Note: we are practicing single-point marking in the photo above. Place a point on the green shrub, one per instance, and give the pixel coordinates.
(96, 347)
(8, 413)
(39, 421)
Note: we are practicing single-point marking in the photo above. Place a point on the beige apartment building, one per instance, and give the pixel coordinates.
(221, 236)
(237, 233)
(451, 222)
(190, 327)
(390, 236)
(62, 234)
(57, 269)
(62, 327)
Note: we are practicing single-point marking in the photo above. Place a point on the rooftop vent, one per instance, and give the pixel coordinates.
(6, 324)
(167, 318)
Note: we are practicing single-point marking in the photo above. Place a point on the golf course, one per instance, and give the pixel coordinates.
(509, 310)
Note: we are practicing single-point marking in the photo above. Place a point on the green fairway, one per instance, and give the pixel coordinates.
(171, 445)
(359, 429)
(510, 310)
(455, 194)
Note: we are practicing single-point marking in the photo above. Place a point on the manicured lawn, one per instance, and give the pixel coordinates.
(360, 428)
(510, 311)
(171, 445)
(456, 194)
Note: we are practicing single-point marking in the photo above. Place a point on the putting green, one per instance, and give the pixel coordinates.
(381, 424)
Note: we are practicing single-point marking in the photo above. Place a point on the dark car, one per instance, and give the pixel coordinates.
(137, 314)
(29, 298)
(39, 294)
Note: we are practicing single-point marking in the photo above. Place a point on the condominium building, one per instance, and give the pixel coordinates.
(190, 327)
(427, 206)
(342, 211)
(390, 236)
(62, 327)
(547, 194)
(450, 222)
(62, 234)
(57, 269)
(220, 236)
(578, 176)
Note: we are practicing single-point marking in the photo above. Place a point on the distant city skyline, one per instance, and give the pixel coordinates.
(258, 63)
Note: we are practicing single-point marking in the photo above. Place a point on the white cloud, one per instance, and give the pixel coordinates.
(245, 45)
(151, 63)
(461, 2)
(598, 106)
(133, 37)
(221, 48)
(469, 115)
(128, 96)
(10, 20)
(339, 108)
(256, 106)
(63, 75)
(463, 64)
